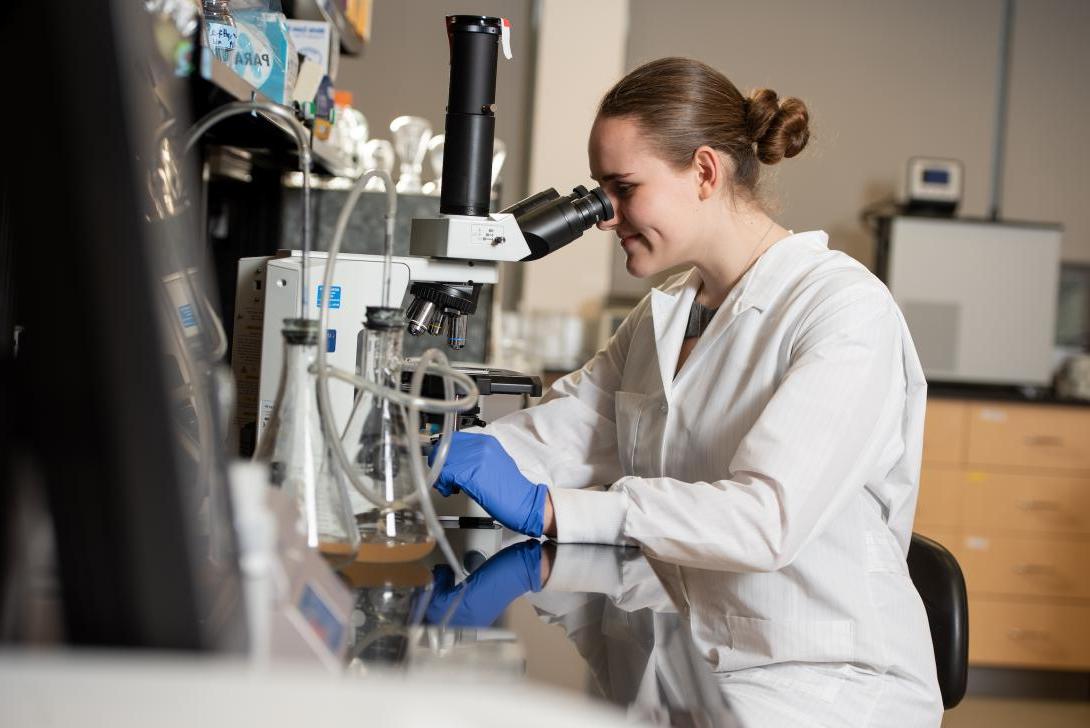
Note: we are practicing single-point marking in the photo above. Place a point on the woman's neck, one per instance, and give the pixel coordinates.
(731, 250)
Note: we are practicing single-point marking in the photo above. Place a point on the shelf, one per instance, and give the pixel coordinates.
(221, 77)
(352, 43)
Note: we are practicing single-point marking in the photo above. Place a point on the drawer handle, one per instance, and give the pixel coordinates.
(1044, 441)
(1019, 634)
(1033, 569)
(1037, 504)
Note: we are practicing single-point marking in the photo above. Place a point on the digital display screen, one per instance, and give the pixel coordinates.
(936, 177)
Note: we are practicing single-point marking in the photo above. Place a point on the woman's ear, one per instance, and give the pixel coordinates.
(711, 171)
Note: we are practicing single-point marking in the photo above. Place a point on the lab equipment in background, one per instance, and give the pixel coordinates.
(435, 161)
(296, 608)
(378, 444)
(378, 154)
(264, 55)
(411, 137)
(350, 132)
(220, 31)
(128, 561)
(528, 230)
(1073, 379)
(979, 296)
(294, 444)
(933, 186)
(268, 292)
(317, 40)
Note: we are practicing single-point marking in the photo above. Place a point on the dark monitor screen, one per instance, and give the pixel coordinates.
(108, 418)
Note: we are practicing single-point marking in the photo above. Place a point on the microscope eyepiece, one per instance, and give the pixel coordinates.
(592, 206)
(549, 221)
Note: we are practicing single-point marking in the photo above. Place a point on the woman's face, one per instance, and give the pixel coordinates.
(656, 206)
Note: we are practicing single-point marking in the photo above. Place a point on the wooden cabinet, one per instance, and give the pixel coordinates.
(1006, 487)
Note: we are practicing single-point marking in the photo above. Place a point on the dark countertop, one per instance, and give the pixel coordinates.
(1001, 393)
(561, 616)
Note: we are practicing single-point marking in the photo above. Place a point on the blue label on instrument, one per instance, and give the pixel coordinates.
(321, 619)
(331, 340)
(334, 296)
(186, 314)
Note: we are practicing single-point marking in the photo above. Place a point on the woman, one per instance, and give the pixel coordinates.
(761, 414)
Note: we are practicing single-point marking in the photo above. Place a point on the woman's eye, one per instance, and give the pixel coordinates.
(623, 190)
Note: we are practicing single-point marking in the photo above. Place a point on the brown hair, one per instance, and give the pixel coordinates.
(682, 104)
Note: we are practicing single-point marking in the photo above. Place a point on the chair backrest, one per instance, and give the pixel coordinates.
(938, 579)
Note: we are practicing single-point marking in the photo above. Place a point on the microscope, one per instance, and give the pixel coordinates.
(450, 256)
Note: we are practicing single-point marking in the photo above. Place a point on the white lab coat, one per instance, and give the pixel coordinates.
(786, 451)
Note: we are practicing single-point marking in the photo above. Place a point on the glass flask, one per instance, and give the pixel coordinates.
(411, 136)
(298, 454)
(378, 444)
(219, 27)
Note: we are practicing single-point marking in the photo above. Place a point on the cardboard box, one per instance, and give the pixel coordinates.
(265, 55)
(318, 41)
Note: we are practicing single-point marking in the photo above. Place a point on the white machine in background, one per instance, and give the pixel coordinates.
(979, 296)
(268, 292)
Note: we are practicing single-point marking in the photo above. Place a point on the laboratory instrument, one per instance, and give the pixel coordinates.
(378, 444)
(295, 446)
(979, 297)
(934, 186)
(528, 230)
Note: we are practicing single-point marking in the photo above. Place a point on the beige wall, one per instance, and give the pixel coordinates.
(405, 70)
(1048, 138)
(581, 47)
(884, 81)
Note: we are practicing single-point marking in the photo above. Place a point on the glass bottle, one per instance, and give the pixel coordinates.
(378, 444)
(220, 30)
(294, 445)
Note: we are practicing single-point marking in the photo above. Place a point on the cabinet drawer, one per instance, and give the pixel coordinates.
(944, 432)
(1031, 436)
(1051, 567)
(1031, 503)
(942, 492)
(1028, 635)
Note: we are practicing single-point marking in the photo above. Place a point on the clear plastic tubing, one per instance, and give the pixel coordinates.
(302, 142)
(432, 360)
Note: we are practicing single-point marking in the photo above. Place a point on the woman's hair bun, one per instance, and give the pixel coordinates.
(778, 127)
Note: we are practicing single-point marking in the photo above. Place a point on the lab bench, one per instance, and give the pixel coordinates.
(1005, 485)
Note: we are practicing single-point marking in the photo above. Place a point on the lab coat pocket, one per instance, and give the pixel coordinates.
(884, 555)
(756, 641)
(628, 409)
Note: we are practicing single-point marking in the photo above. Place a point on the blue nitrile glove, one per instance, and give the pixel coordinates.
(480, 466)
(486, 593)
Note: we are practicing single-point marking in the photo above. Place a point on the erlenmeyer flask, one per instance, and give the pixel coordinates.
(378, 444)
(296, 449)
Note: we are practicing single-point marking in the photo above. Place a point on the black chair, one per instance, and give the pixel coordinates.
(938, 579)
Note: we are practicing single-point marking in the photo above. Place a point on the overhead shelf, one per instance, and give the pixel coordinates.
(221, 77)
(352, 43)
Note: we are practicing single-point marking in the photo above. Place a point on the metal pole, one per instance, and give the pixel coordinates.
(1002, 88)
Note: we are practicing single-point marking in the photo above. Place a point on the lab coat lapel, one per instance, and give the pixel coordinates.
(670, 314)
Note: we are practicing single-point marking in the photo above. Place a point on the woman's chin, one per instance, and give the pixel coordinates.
(638, 266)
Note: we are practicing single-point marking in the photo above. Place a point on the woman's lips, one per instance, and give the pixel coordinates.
(629, 240)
